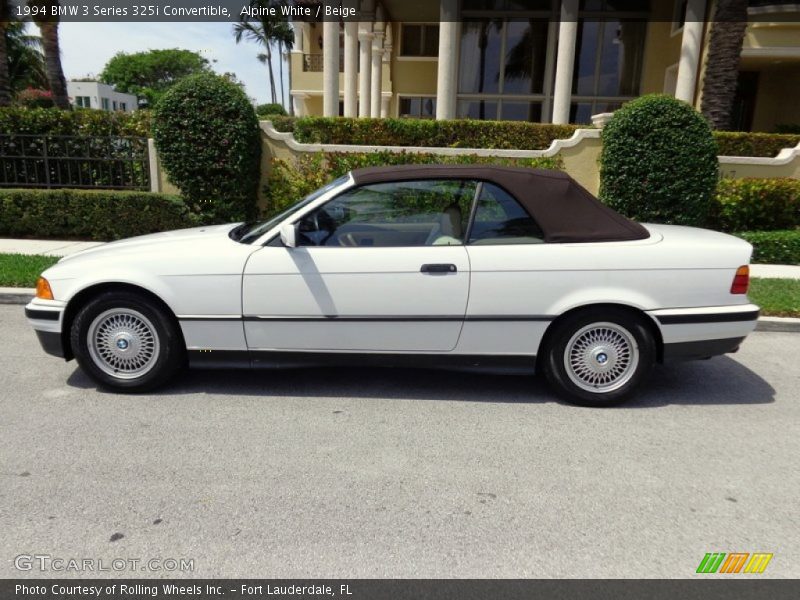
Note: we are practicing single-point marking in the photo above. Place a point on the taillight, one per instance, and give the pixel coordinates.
(741, 281)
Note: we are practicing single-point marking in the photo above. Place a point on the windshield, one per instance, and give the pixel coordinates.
(248, 233)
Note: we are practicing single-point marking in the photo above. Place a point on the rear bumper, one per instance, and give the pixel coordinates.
(695, 333)
(701, 349)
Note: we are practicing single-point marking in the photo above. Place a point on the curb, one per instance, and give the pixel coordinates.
(782, 324)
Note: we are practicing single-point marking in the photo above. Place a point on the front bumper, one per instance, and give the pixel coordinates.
(46, 318)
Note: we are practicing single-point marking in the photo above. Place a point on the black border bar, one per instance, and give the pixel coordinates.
(712, 587)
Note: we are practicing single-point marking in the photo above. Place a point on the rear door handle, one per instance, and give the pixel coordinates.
(440, 268)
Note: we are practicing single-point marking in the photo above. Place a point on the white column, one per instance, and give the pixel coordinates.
(350, 69)
(330, 69)
(364, 68)
(447, 74)
(385, 105)
(297, 30)
(691, 44)
(565, 59)
(377, 71)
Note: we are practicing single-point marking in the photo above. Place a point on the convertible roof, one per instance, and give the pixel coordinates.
(564, 210)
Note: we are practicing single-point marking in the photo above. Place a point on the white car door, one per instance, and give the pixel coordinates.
(380, 267)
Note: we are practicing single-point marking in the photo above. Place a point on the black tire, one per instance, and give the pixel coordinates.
(611, 353)
(121, 322)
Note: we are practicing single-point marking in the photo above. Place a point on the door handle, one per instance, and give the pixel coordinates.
(440, 268)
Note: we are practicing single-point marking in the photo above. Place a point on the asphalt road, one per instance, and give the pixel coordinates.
(400, 473)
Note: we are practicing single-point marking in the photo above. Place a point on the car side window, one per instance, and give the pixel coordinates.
(401, 213)
(500, 220)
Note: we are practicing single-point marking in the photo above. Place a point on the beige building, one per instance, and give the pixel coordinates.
(545, 61)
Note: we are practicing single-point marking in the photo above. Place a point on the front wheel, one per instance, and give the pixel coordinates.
(599, 357)
(126, 343)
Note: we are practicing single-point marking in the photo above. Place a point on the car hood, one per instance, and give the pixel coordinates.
(155, 242)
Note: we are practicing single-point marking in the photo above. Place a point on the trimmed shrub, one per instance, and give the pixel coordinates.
(755, 205)
(659, 162)
(270, 109)
(53, 121)
(207, 136)
(283, 124)
(734, 143)
(89, 214)
(774, 247)
(289, 181)
(461, 133)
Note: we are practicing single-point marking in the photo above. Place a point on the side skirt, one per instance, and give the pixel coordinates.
(279, 359)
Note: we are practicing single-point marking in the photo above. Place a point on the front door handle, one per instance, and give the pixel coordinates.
(440, 268)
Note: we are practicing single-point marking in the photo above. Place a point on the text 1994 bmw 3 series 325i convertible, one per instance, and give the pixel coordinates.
(473, 266)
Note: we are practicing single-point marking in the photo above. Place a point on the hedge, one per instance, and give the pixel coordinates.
(774, 247)
(54, 121)
(734, 143)
(291, 180)
(270, 109)
(755, 205)
(659, 162)
(89, 214)
(461, 133)
(208, 140)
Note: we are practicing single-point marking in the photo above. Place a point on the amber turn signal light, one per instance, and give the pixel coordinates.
(741, 281)
(43, 290)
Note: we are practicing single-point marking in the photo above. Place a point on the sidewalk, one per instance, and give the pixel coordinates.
(63, 248)
(46, 247)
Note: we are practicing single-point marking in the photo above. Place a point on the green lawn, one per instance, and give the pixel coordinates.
(776, 297)
(20, 270)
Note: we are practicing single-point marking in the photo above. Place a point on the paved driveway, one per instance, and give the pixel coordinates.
(401, 473)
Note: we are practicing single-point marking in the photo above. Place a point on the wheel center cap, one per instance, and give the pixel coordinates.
(602, 358)
(122, 342)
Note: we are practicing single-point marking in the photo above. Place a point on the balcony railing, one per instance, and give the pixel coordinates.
(313, 63)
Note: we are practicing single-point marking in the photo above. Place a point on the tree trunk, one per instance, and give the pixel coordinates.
(52, 58)
(5, 78)
(271, 73)
(722, 65)
(280, 73)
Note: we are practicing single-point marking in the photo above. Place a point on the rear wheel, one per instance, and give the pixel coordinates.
(599, 357)
(126, 343)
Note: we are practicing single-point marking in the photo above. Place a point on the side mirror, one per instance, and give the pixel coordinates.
(289, 235)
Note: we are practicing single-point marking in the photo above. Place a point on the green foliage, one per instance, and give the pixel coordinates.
(26, 67)
(659, 162)
(151, 73)
(22, 270)
(460, 133)
(283, 124)
(208, 139)
(291, 180)
(774, 247)
(755, 205)
(735, 143)
(89, 214)
(52, 121)
(270, 109)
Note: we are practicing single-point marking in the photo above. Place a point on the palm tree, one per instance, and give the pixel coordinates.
(48, 27)
(722, 67)
(285, 38)
(26, 68)
(265, 31)
(5, 79)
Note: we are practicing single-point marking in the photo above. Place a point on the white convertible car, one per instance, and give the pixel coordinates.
(433, 266)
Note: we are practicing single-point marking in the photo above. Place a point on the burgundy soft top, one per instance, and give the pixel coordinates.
(564, 210)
